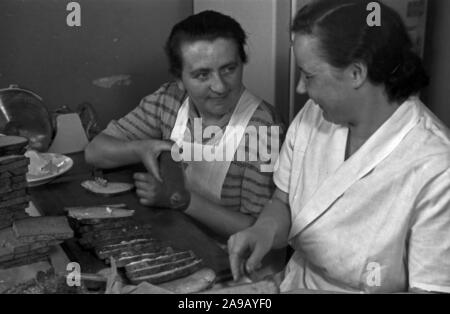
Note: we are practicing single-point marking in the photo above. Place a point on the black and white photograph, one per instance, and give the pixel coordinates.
(224, 153)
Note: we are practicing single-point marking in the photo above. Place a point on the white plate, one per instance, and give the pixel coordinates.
(46, 166)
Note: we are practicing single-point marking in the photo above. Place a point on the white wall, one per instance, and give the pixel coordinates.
(267, 25)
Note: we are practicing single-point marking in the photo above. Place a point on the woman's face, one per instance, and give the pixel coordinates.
(326, 85)
(212, 75)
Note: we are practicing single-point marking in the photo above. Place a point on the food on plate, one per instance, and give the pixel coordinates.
(42, 164)
(103, 187)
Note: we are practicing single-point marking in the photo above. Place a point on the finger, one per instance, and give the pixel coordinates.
(152, 165)
(151, 160)
(139, 185)
(150, 195)
(144, 186)
(144, 176)
(141, 193)
(254, 261)
(235, 250)
(145, 202)
(139, 176)
(163, 146)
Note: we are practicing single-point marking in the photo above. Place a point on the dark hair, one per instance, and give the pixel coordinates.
(206, 25)
(345, 37)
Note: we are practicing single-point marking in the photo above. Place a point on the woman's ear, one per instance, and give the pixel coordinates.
(180, 84)
(358, 74)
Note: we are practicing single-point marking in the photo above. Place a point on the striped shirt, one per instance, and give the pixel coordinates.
(246, 188)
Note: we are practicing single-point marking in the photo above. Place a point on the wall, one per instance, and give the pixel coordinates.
(437, 59)
(435, 51)
(266, 23)
(117, 37)
(297, 101)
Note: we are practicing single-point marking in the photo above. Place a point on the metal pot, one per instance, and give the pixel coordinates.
(23, 113)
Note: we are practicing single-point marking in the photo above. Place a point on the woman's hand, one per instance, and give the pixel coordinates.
(148, 189)
(149, 151)
(106, 151)
(247, 249)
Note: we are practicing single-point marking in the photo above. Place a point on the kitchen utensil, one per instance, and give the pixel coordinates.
(23, 113)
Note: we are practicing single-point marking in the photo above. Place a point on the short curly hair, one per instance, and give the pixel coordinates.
(345, 37)
(207, 25)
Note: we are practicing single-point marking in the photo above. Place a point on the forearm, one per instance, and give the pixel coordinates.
(108, 152)
(276, 218)
(220, 219)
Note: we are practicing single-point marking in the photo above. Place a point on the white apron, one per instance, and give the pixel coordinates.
(206, 177)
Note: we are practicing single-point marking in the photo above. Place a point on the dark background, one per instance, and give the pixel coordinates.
(40, 52)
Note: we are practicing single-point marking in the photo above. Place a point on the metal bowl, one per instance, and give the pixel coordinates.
(23, 113)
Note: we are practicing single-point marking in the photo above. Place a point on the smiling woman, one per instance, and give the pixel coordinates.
(364, 174)
(212, 72)
(206, 56)
(323, 83)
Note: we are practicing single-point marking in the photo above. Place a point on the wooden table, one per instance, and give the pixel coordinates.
(171, 227)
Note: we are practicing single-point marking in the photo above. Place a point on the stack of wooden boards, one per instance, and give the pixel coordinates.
(111, 232)
(14, 197)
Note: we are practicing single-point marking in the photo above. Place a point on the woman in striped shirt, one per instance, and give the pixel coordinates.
(233, 129)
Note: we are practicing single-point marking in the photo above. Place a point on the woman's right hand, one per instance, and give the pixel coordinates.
(149, 150)
(247, 248)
